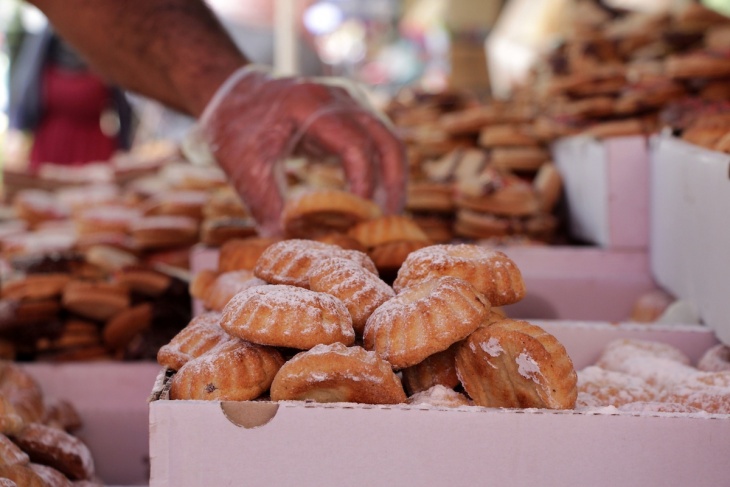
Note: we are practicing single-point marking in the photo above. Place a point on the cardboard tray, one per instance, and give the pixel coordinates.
(197, 443)
(690, 237)
(606, 185)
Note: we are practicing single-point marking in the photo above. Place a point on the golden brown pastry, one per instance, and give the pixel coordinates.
(227, 285)
(96, 300)
(10, 454)
(387, 229)
(491, 272)
(708, 391)
(325, 210)
(35, 286)
(361, 291)
(337, 373)
(424, 319)
(141, 280)
(515, 364)
(436, 369)
(202, 334)
(289, 261)
(10, 420)
(57, 449)
(22, 391)
(234, 371)
(154, 232)
(51, 476)
(239, 254)
(121, 329)
(287, 316)
(389, 257)
(21, 476)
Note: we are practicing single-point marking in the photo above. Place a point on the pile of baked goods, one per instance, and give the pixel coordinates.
(37, 443)
(314, 321)
(646, 376)
(100, 271)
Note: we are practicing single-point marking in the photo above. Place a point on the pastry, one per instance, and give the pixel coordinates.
(523, 158)
(21, 476)
(10, 420)
(121, 329)
(491, 272)
(322, 211)
(287, 316)
(202, 334)
(188, 203)
(144, 281)
(154, 232)
(361, 291)
(239, 254)
(507, 135)
(608, 388)
(35, 286)
(430, 196)
(708, 391)
(514, 364)
(424, 318)
(387, 229)
(105, 219)
(10, 454)
(440, 397)
(227, 285)
(51, 476)
(650, 306)
(62, 414)
(715, 359)
(341, 240)
(436, 369)
(200, 284)
(22, 391)
(233, 371)
(95, 300)
(389, 257)
(57, 449)
(337, 373)
(289, 261)
(214, 232)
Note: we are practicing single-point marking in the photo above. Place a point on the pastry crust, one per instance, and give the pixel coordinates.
(96, 300)
(336, 373)
(124, 326)
(601, 387)
(227, 285)
(440, 397)
(437, 369)
(20, 476)
(287, 316)
(491, 272)
(57, 449)
(324, 211)
(10, 454)
(202, 334)
(240, 254)
(290, 261)
(154, 232)
(388, 229)
(515, 364)
(22, 391)
(423, 319)
(234, 371)
(361, 291)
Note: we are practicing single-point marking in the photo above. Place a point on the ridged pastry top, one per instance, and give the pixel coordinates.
(491, 272)
(337, 373)
(289, 261)
(287, 316)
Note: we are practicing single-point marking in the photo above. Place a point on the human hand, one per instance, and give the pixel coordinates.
(255, 120)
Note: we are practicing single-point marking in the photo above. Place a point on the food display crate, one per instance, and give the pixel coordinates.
(196, 443)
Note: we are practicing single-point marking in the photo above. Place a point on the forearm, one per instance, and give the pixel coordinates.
(174, 51)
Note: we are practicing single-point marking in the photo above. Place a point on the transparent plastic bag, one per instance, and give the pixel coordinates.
(256, 120)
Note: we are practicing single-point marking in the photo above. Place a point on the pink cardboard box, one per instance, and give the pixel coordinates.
(690, 237)
(575, 283)
(606, 185)
(111, 398)
(196, 443)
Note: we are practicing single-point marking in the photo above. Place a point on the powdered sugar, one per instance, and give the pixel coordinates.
(527, 367)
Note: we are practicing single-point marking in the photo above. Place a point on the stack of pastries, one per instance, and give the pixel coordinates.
(38, 446)
(315, 321)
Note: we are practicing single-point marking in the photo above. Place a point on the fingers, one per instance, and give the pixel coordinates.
(393, 169)
(341, 135)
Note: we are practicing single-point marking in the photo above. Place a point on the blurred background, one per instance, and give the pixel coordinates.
(485, 47)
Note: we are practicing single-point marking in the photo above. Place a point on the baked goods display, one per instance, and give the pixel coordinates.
(646, 376)
(40, 449)
(333, 331)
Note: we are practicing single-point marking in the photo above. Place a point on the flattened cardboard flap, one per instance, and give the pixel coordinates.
(249, 414)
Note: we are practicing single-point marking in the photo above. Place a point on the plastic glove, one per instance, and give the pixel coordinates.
(255, 120)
